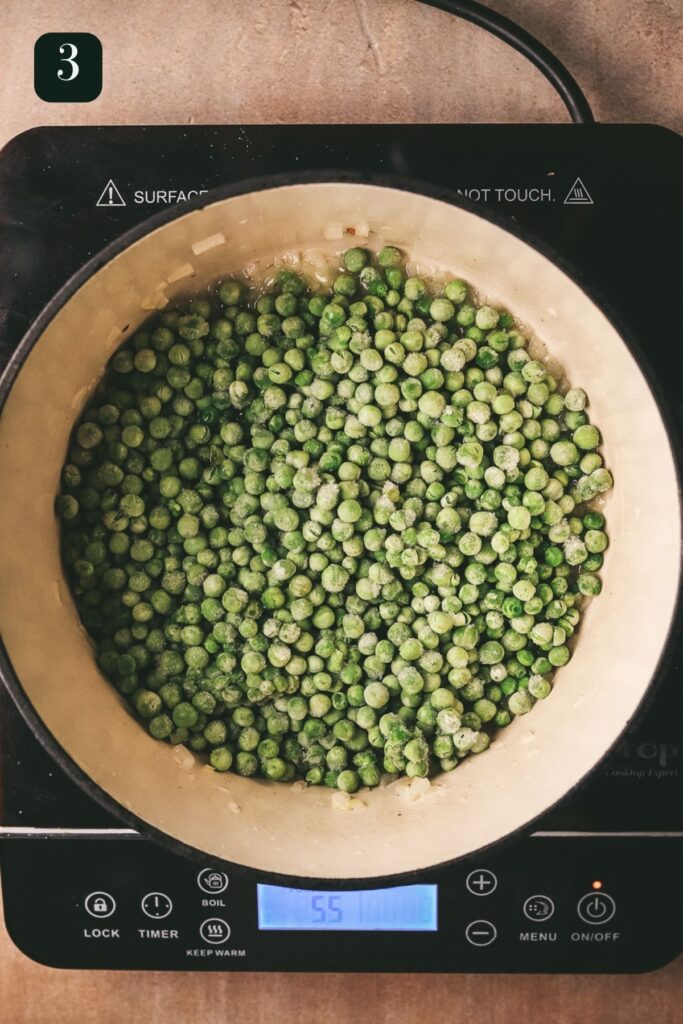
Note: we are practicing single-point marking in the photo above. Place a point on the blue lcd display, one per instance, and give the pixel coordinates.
(404, 908)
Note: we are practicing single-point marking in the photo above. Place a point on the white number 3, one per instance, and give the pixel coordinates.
(68, 76)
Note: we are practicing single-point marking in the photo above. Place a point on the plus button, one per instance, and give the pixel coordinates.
(481, 882)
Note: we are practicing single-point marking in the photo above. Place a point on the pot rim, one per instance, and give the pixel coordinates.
(270, 182)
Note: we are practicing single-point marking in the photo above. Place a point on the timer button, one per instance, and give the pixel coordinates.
(481, 882)
(596, 908)
(156, 905)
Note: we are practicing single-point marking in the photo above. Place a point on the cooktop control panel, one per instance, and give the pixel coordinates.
(588, 904)
(596, 886)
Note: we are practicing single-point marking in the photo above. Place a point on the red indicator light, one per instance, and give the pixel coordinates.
(597, 884)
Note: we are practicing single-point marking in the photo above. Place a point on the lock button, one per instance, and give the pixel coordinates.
(100, 904)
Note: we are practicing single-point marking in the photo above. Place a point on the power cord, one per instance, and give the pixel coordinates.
(519, 39)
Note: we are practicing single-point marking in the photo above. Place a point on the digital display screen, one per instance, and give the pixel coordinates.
(404, 908)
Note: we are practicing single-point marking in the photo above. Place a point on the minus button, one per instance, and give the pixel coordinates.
(480, 933)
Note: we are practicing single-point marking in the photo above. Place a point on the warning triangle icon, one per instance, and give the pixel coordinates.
(110, 196)
(578, 195)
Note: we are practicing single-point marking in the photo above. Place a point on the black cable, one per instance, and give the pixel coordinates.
(519, 39)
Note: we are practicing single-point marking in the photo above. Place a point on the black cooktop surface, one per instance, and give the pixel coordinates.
(606, 199)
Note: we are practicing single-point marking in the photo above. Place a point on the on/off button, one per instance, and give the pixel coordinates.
(596, 908)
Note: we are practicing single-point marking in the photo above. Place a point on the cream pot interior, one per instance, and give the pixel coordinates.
(287, 828)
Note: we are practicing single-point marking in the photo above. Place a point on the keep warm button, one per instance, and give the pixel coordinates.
(596, 908)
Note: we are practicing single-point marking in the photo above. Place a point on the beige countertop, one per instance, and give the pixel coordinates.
(223, 61)
(331, 61)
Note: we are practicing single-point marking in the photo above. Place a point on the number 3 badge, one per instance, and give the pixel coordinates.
(67, 67)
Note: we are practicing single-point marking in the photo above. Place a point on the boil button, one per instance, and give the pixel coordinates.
(596, 908)
(213, 882)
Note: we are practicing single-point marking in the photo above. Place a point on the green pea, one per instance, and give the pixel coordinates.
(324, 535)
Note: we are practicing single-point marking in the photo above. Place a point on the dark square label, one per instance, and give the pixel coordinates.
(67, 67)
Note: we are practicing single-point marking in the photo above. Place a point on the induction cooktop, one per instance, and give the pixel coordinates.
(595, 886)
